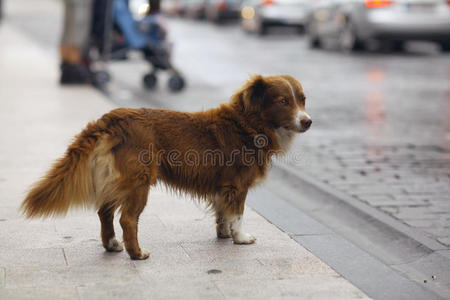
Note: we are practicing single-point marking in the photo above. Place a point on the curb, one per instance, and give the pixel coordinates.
(367, 209)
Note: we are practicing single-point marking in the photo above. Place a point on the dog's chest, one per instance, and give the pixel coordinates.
(284, 138)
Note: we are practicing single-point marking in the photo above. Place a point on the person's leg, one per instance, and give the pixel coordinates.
(77, 26)
(126, 23)
(1, 9)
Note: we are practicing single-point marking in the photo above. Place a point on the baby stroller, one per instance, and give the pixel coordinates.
(147, 35)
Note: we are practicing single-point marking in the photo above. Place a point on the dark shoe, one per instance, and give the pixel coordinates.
(74, 74)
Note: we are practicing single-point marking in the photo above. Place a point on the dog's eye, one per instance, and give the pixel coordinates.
(284, 101)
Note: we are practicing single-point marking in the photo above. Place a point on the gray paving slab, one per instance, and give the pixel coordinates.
(34, 234)
(170, 289)
(63, 293)
(10, 257)
(2, 277)
(210, 251)
(87, 275)
(311, 288)
(92, 253)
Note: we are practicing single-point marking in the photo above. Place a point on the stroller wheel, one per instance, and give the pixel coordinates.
(176, 83)
(101, 78)
(150, 80)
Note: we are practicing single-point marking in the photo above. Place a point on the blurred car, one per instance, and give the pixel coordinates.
(172, 7)
(221, 10)
(195, 9)
(353, 23)
(259, 15)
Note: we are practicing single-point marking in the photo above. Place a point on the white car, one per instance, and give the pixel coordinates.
(259, 15)
(353, 23)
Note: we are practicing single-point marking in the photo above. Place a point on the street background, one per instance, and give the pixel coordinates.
(379, 144)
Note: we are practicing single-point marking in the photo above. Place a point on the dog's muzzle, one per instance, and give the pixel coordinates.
(303, 121)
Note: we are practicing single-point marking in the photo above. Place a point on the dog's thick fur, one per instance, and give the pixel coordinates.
(115, 160)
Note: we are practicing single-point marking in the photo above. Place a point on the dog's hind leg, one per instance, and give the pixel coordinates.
(133, 205)
(106, 215)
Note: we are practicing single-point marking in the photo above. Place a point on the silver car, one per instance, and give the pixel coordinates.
(353, 23)
(259, 15)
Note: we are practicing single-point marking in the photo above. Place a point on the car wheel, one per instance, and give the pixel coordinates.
(314, 42)
(262, 28)
(313, 38)
(300, 29)
(398, 46)
(394, 46)
(348, 39)
(218, 20)
(445, 46)
(390, 46)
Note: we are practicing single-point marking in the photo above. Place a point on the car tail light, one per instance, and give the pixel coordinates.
(378, 3)
(267, 2)
(222, 5)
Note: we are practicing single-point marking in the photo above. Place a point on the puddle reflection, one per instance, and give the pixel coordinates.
(374, 113)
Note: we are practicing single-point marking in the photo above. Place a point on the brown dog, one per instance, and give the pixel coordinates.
(215, 155)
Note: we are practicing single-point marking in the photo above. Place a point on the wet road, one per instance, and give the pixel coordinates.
(381, 122)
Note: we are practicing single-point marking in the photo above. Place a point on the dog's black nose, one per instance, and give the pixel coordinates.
(306, 123)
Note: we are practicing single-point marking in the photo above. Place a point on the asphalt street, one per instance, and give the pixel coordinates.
(381, 125)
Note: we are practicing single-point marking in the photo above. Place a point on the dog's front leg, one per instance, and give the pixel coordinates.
(223, 226)
(239, 236)
(233, 209)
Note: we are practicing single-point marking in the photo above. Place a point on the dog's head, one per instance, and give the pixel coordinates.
(279, 100)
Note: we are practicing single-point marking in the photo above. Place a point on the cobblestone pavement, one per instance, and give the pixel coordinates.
(411, 183)
(381, 125)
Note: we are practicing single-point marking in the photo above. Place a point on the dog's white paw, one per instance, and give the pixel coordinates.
(144, 255)
(243, 238)
(114, 245)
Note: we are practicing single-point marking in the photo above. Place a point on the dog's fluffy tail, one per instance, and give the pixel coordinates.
(69, 182)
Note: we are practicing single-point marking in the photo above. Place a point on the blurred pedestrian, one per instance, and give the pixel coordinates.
(155, 6)
(125, 21)
(1, 10)
(75, 42)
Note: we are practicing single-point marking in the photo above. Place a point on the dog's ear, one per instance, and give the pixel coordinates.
(253, 93)
(251, 96)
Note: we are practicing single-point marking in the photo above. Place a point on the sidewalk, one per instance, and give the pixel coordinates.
(64, 259)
